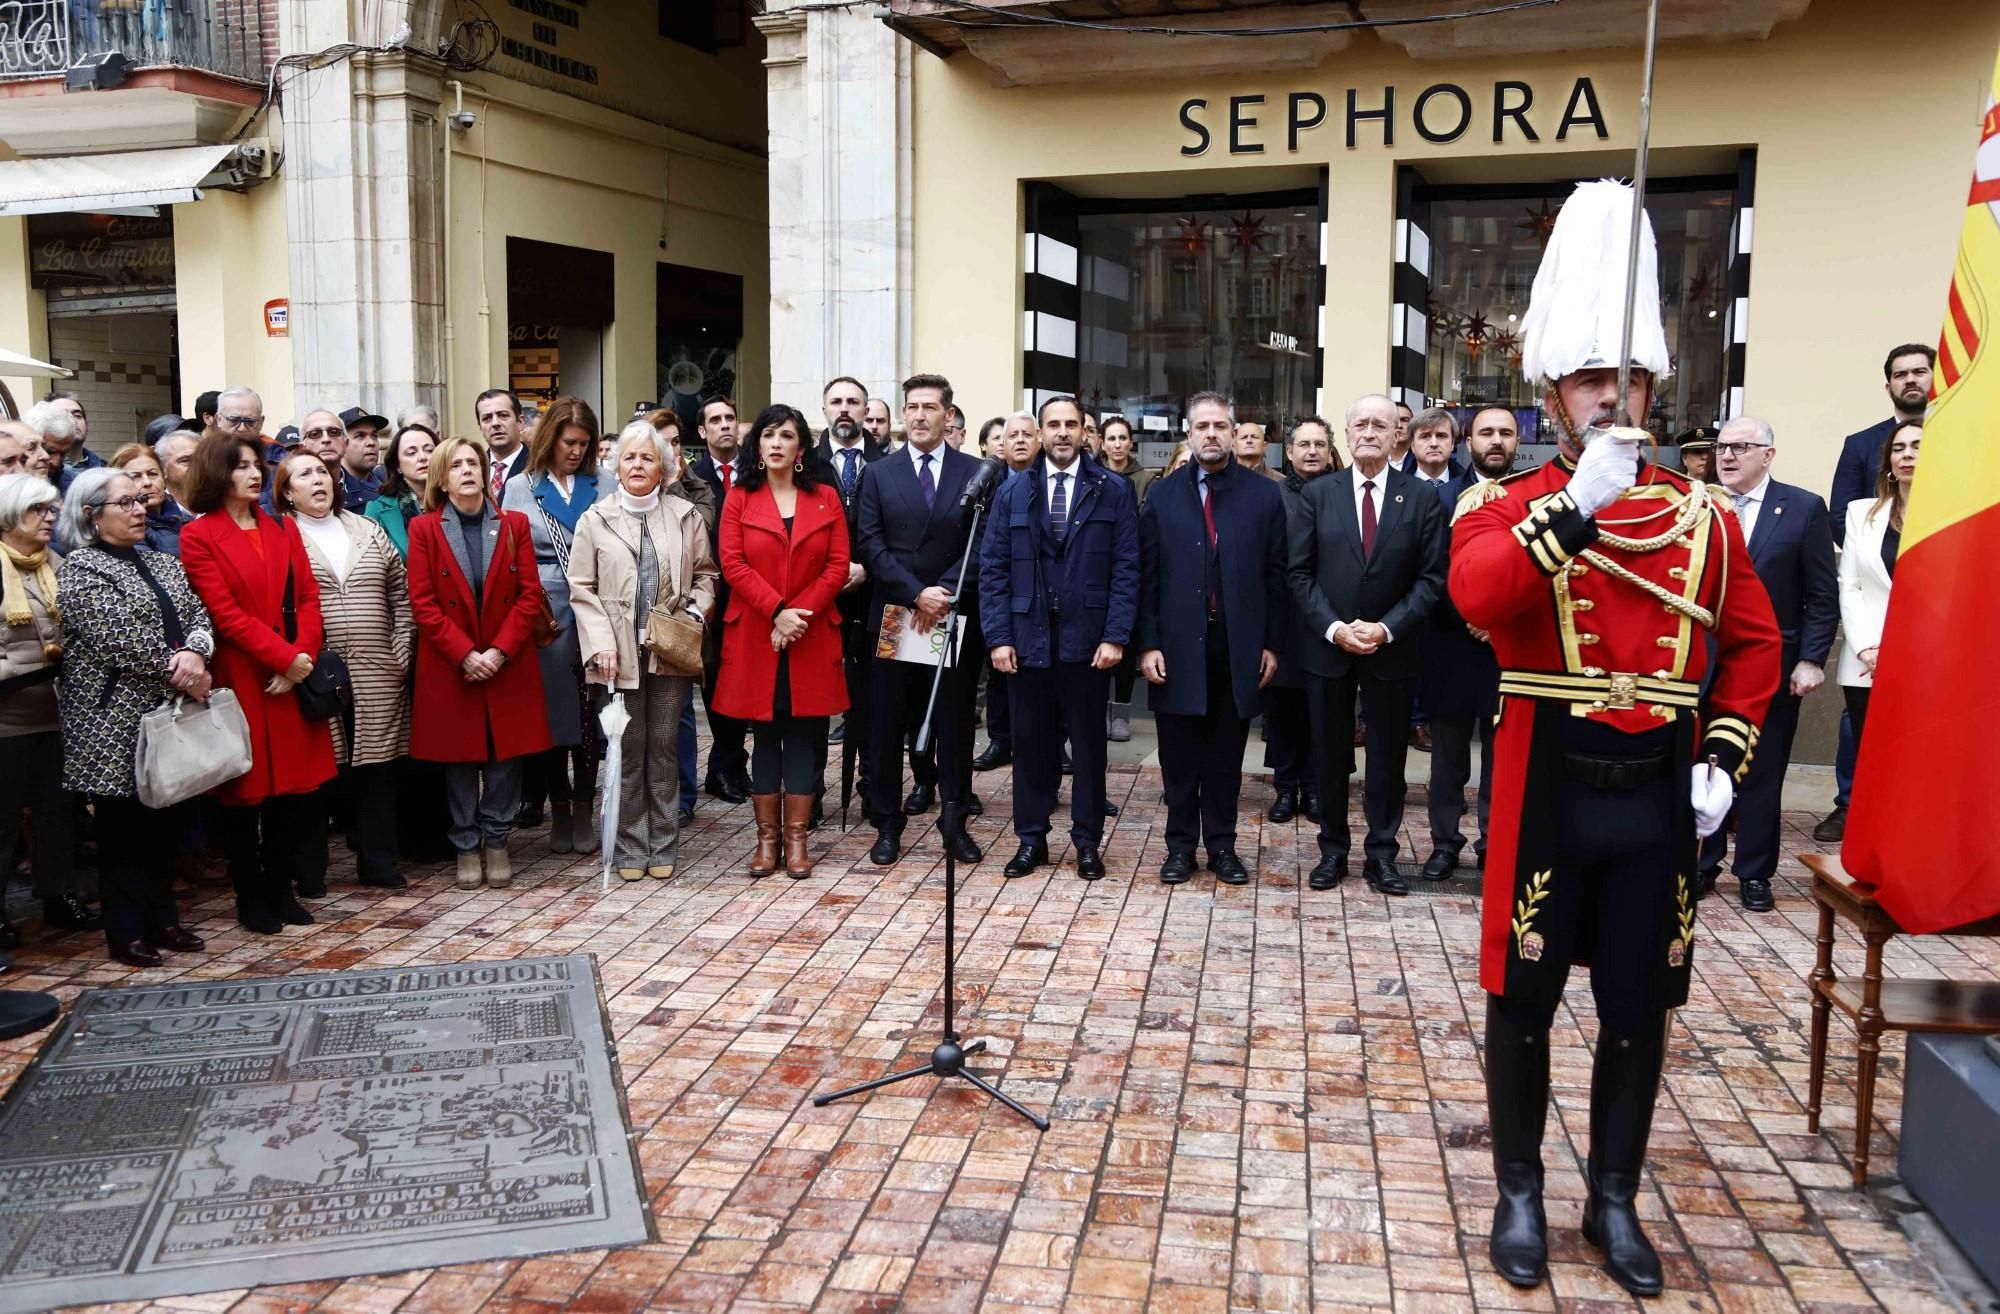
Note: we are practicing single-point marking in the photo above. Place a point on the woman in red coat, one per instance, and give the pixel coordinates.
(478, 706)
(784, 554)
(239, 559)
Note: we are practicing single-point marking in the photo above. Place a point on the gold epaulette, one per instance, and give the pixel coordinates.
(1718, 497)
(1486, 490)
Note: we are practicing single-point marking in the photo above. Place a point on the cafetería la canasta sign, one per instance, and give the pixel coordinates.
(1440, 114)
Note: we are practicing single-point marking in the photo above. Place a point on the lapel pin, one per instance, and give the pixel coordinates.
(1399, 497)
(1777, 510)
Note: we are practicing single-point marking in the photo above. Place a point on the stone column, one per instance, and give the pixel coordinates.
(363, 148)
(840, 170)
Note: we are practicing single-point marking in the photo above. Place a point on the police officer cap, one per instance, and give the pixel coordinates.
(1701, 438)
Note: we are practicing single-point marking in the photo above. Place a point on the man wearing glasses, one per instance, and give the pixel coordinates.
(1791, 549)
(239, 412)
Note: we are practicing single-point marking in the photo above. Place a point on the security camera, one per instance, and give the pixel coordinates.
(463, 120)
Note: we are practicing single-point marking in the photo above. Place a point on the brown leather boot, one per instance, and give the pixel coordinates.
(798, 821)
(765, 860)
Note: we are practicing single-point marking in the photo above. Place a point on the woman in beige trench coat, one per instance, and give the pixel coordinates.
(643, 542)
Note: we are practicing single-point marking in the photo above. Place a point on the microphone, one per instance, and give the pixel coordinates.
(983, 482)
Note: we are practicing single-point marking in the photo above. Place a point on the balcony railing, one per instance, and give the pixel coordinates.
(40, 38)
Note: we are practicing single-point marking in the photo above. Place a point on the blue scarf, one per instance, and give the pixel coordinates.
(566, 512)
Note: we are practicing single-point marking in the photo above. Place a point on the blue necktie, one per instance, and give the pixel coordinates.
(847, 459)
(924, 480)
(1059, 507)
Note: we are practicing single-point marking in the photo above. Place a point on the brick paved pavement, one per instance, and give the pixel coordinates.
(1262, 1097)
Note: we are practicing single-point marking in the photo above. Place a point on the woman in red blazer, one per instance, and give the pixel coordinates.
(784, 554)
(239, 558)
(478, 707)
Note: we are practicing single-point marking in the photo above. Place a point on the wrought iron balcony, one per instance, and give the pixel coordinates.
(43, 38)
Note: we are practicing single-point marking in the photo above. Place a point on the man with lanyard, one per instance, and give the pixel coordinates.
(1611, 589)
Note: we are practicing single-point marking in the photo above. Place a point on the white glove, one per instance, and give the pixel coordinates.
(1609, 466)
(1714, 793)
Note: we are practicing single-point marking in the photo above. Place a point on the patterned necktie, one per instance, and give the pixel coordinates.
(924, 480)
(849, 459)
(1367, 519)
(1059, 507)
(1742, 500)
(499, 476)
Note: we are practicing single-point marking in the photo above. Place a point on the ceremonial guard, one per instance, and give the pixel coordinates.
(1612, 588)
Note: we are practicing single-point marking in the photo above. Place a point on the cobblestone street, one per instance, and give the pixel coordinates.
(1261, 1097)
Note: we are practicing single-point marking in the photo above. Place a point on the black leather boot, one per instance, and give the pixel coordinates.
(1624, 1083)
(1517, 1106)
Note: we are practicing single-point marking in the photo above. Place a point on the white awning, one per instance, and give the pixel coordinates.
(14, 363)
(113, 181)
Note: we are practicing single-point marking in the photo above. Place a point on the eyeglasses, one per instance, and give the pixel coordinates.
(1738, 449)
(47, 512)
(131, 503)
(240, 421)
(324, 433)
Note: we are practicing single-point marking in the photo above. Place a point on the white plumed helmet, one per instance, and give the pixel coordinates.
(1576, 310)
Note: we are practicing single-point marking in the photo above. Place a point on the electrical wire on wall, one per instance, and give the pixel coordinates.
(997, 16)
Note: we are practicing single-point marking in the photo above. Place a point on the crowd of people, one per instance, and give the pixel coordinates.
(481, 597)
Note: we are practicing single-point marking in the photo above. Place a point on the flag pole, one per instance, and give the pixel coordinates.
(1638, 213)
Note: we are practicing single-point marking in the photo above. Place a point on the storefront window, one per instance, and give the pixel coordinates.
(1178, 301)
(1486, 248)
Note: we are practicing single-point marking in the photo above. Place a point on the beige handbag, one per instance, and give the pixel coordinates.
(673, 636)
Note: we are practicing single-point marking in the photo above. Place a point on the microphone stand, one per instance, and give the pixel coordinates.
(948, 1056)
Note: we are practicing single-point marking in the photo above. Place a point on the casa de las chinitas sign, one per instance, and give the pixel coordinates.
(1440, 114)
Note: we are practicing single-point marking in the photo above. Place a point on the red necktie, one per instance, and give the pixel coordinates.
(1367, 519)
(1208, 516)
(727, 467)
(499, 476)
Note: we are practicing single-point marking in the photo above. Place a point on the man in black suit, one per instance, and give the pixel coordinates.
(1791, 549)
(1367, 566)
(847, 452)
(911, 534)
(1212, 621)
(1058, 590)
(1460, 686)
(1288, 736)
(1907, 377)
(728, 760)
(498, 412)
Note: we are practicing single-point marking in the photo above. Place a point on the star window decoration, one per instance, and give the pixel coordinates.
(1541, 221)
(1193, 234)
(1247, 232)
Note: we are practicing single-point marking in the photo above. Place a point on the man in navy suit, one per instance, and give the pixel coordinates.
(1791, 549)
(911, 534)
(1460, 685)
(1212, 620)
(1907, 375)
(1058, 590)
(846, 450)
(728, 760)
(1367, 565)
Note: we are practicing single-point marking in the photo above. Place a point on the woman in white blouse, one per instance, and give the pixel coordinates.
(1867, 564)
(364, 600)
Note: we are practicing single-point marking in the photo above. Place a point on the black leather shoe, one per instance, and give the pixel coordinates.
(1309, 804)
(312, 887)
(1757, 896)
(684, 817)
(963, 847)
(739, 780)
(137, 953)
(1330, 872)
(995, 756)
(976, 808)
(717, 787)
(1110, 808)
(888, 847)
(1440, 865)
(1026, 860)
(920, 800)
(1089, 865)
(1831, 827)
(1704, 883)
(529, 817)
(1284, 807)
(837, 735)
(388, 880)
(70, 914)
(1383, 878)
(1624, 1083)
(291, 912)
(1177, 868)
(1228, 868)
(181, 940)
(259, 919)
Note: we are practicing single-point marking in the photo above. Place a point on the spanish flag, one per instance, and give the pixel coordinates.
(1927, 787)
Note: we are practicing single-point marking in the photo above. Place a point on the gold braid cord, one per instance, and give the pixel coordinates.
(1691, 516)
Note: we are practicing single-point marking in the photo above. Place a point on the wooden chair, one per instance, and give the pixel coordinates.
(1960, 1007)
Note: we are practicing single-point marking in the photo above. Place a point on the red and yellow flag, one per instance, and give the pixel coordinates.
(1927, 788)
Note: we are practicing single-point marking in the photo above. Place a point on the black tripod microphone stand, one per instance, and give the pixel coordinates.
(948, 1057)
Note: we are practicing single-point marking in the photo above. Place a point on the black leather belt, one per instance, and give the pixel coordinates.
(1615, 773)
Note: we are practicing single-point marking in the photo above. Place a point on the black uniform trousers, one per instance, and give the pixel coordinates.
(898, 694)
(1618, 845)
(1045, 700)
(1201, 762)
(1451, 767)
(1386, 705)
(999, 712)
(1288, 737)
(1758, 799)
(135, 867)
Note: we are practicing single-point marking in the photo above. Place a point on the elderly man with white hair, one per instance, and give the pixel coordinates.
(54, 429)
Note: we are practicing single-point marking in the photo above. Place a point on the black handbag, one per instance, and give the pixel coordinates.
(327, 692)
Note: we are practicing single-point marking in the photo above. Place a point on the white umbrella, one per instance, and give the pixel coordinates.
(13, 362)
(614, 718)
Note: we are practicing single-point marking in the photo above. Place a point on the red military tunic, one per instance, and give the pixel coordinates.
(1620, 633)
